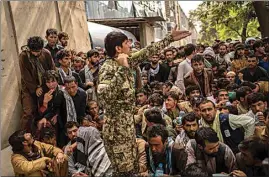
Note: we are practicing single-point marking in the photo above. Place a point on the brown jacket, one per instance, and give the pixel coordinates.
(206, 89)
(22, 166)
(29, 73)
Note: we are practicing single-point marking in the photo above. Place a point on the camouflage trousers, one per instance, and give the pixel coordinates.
(123, 157)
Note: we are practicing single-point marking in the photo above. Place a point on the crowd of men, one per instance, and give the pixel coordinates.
(194, 110)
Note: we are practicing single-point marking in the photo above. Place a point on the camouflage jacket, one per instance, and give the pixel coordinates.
(117, 95)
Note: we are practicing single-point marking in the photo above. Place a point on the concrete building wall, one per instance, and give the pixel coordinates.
(19, 21)
(147, 34)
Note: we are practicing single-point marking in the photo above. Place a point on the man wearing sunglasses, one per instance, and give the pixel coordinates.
(253, 72)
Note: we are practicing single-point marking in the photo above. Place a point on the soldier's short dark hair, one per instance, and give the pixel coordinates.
(158, 130)
(197, 58)
(69, 79)
(35, 43)
(191, 88)
(154, 115)
(112, 40)
(50, 75)
(61, 54)
(206, 134)
(62, 35)
(92, 52)
(189, 49)
(51, 31)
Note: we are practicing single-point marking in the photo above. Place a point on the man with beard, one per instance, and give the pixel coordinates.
(190, 125)
(32, 158)
(63, 39)
(89, 75)
(223, 58)
(168, 64)
(211, 154)
(227, 126)
(156, 71)
(200, 76)
(71, 128)
(34, 60)
(253, 72)
(162, 150)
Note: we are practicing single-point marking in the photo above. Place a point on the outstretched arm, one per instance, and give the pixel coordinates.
(150, 50)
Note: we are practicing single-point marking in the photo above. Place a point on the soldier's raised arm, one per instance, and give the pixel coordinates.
(150, 50)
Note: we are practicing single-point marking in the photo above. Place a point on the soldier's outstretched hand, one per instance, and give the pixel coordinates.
(179, 34)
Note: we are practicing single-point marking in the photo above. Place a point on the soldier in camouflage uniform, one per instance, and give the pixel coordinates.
(116, 94)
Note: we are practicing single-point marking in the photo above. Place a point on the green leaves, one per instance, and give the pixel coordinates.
(224, 20)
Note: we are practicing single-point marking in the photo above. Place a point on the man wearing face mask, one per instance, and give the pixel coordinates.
(162, 150)
(34, 60)
(32, 158)
(210, 154)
